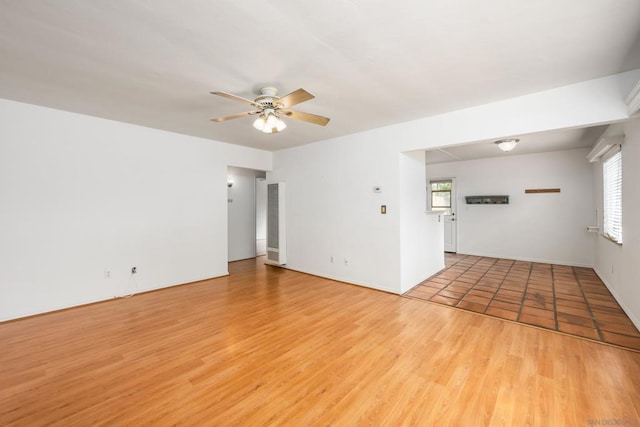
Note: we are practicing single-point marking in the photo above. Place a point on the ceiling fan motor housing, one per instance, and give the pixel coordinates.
(268, 95)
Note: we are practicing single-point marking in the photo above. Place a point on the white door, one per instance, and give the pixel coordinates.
(443, 198)
(450, 232)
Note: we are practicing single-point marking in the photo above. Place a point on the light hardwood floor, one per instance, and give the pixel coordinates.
(268, 346)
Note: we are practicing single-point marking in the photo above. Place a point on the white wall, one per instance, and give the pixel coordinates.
(421, 234)
(547, 227)
(619, 265)
(332, 211)
(81, 195)
(578, 105)
(241, 210)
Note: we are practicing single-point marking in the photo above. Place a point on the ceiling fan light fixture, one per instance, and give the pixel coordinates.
(271, 121)
(269, 106)
(259, 123)
(507, 144)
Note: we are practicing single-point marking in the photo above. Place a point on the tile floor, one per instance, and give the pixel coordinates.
(572, 300)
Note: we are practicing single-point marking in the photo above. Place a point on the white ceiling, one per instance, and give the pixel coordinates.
(370, 63)
(528, 144)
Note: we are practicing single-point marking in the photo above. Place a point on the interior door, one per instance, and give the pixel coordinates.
(450, 232)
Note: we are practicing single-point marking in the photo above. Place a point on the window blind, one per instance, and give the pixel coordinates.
(612, 195)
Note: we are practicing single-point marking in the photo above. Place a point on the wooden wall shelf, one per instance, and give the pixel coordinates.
(541, 190)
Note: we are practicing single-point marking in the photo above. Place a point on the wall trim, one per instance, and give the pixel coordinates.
(109, 299)
(629, 313)
(542, 261)
(338, 279)
(442, 267)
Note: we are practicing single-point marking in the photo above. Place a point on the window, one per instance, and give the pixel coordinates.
(612, 195)
(440, 195)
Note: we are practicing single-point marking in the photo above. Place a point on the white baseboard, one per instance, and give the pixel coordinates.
(343, 280)
(541, 261)
(619, 300)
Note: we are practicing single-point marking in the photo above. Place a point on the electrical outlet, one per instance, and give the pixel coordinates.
(346, 261)
(134, 270)
(107, 274)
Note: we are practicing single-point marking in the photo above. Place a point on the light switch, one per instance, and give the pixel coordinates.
(383, 209)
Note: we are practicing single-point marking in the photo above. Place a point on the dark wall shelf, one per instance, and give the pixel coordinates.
(487, 200)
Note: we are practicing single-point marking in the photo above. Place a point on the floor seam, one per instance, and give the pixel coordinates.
(536, 281)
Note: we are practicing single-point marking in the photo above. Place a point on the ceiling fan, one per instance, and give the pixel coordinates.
(271, 108)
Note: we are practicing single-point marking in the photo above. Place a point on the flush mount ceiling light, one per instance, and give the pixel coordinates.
(507, 144)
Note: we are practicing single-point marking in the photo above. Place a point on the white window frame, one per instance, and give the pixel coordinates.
(441, 208)
(612, 195)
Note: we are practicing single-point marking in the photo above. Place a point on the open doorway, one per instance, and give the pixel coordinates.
(246, 212)
(261, 216)
(442, 197)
